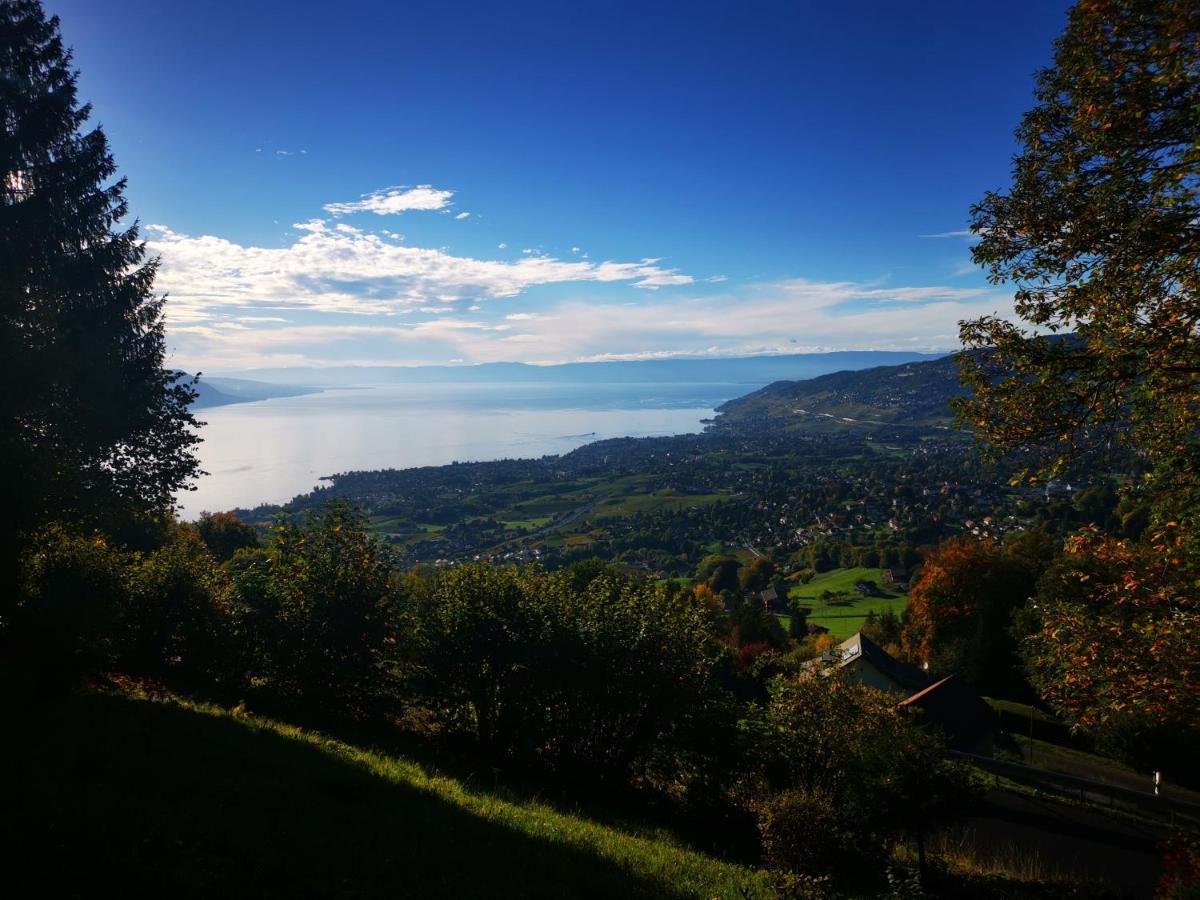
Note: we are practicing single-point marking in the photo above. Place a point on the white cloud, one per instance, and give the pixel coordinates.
(502, 246)
(463, 215)
(949, 234)
(395, 200)
(780, 317)
(341, 269)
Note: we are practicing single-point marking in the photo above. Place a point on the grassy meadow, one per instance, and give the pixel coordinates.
(125, 795)
(845, 618)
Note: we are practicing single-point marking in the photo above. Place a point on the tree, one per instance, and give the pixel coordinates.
(329, 595)
(719, 572)
(93, 428)
(1114, 647)
(599, 678)
(835, 771)
(959, 616)
(175, 620)
(70, 592)
(1099, 234)
(225, 534)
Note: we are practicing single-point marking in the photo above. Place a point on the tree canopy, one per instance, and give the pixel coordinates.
(93, 427)
(1100, 234)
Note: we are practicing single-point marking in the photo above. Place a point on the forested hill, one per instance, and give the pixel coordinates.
(916, 393)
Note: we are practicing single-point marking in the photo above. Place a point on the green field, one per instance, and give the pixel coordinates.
(844, 619)
(565, 512)
(115, 795)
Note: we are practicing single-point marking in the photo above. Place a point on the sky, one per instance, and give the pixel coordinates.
(385, 183)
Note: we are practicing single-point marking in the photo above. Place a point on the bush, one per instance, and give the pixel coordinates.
(226, 534)
(846, 757)
(175, 618)
(70, 592)
(800, 831)
(603, 677)
(322, 613)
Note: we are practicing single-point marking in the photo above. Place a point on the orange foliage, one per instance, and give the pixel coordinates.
(1119, 633)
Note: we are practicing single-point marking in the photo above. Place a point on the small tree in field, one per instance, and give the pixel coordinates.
(93, 428)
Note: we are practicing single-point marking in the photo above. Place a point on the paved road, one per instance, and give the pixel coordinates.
(1069, 839)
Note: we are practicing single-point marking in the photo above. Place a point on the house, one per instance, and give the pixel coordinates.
(815, 629)
(866, 588)
(770, 598)
(895, 576)
(870, 664)
(953, 707)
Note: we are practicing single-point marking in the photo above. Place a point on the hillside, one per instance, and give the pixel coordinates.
(750, 370)
(191, 800)
(224, 391)
(915, 393)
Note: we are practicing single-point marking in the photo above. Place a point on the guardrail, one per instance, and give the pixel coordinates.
(1084, 787)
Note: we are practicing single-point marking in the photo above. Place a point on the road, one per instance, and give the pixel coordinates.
(1069, 839)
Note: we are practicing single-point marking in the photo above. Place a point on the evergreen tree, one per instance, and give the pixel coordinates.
(93, 428)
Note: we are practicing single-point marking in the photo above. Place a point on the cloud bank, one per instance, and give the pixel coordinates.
(340, 294)
(342, 269)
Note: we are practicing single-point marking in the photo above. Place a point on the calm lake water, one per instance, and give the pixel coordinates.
(272, 450)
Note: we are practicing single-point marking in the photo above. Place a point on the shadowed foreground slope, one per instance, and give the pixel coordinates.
(111, 795)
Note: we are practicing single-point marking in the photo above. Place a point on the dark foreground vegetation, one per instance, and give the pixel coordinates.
(148, 665)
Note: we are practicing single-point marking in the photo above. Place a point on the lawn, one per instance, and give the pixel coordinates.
(114, 795)
(845, 619)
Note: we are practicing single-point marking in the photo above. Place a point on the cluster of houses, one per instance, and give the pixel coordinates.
(950, 705)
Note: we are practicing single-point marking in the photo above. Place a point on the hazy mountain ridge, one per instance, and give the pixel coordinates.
(746, 369)
(212, 392)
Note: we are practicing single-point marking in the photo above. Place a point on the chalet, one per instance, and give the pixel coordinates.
(770, 598)
(951, 706)
(895, 576)
(866, 588)
(871, 665)
(814, 629)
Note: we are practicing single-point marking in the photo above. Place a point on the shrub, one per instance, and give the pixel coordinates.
(175, 618)
(325, 610)
(604, 676)
(800, 831)
(225, 534)
(845, 756)
(70, 591)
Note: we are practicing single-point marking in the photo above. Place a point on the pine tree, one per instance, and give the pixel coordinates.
(93, 428)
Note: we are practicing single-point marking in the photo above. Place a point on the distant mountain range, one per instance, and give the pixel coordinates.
(917, 393)
(736, 370)
(223, 391)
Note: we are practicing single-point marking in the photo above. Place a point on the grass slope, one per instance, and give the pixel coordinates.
(112, 795)
(843, 620)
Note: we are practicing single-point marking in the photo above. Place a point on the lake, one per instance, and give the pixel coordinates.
(271, 450)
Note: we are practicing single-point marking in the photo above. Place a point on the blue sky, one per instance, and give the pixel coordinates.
(434, 182)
